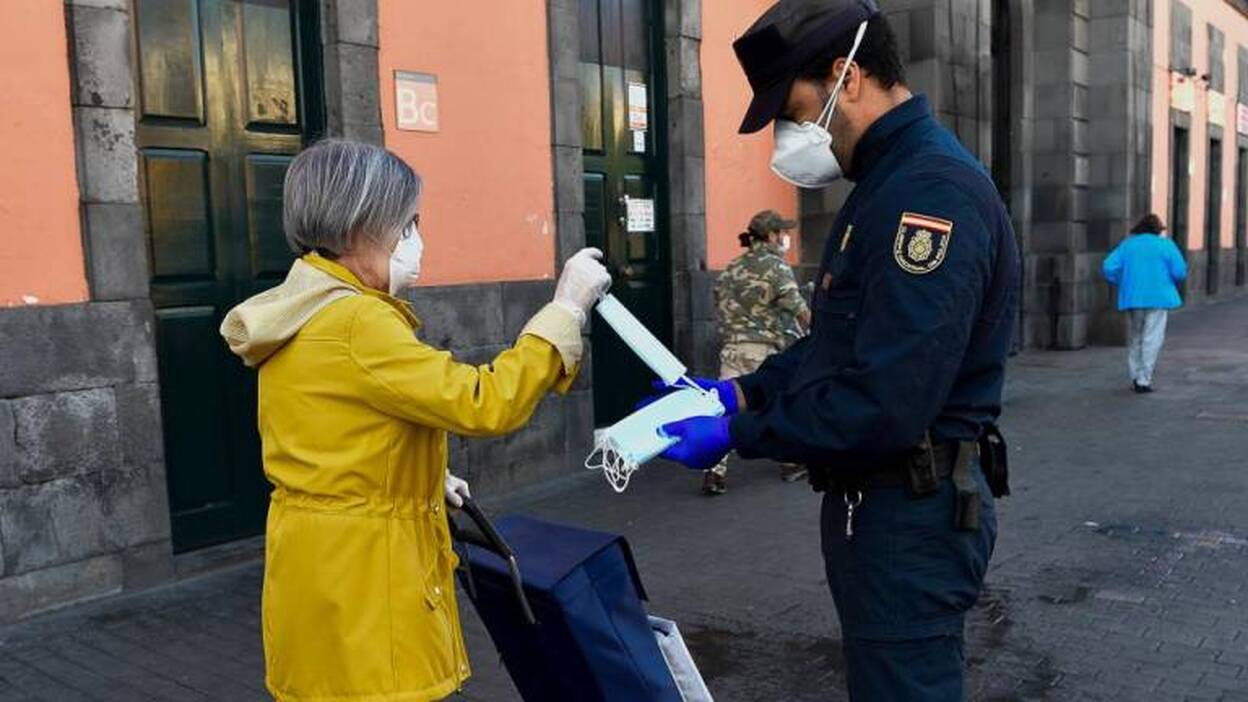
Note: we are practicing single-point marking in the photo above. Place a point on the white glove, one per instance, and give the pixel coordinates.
(456, 491)
(583, 283)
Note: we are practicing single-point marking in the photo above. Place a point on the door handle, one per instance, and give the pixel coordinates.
(623, 216)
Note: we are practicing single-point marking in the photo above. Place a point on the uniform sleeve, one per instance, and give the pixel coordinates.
(407, 378)
(909, 337)
(1112, 267)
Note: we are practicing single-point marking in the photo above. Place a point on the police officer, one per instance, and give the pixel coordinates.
(761, 311)
(891, 400)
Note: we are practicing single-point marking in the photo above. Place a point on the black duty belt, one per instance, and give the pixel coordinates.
(898, 472)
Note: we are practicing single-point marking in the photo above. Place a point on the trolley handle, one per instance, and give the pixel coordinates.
(489, 539)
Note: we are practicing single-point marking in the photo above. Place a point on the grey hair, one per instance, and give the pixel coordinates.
(337, 192)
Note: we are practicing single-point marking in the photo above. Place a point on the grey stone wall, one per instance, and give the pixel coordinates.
(352, 84)
(83, 507)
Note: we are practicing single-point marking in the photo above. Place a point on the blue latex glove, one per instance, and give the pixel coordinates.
(726, 389)
(703, 441)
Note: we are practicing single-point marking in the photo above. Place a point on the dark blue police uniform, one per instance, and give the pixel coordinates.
(913, 319)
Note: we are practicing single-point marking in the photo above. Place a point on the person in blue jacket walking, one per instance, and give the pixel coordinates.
(1147, 268)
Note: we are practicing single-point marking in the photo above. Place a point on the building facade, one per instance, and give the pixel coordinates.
(145, 143)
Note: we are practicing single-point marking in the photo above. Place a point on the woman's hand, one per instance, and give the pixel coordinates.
(456, 491)
(584, 281)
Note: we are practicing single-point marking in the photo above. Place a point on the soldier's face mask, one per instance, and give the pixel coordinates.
(803, 152)
(405, 260)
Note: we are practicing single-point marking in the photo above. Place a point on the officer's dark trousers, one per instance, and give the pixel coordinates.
(902, 588)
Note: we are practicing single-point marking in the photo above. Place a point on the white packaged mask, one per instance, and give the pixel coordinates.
(624, 446)
(405, 260)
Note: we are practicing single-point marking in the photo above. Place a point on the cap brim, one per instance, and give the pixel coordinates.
(787, 224)
(765, 107)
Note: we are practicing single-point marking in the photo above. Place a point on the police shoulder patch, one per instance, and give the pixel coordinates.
(921, 242)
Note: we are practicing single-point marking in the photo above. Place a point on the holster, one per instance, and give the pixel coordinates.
(994, 459)
(921, 477)
(966, 513)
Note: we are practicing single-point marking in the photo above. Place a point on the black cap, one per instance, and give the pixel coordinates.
(784, 39)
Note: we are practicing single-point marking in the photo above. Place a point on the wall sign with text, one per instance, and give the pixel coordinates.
(416, 101)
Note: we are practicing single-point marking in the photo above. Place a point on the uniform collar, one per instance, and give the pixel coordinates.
(884, 134)
(344, 274)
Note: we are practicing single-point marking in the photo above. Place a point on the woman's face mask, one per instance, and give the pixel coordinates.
(803, 152)
(405, 260)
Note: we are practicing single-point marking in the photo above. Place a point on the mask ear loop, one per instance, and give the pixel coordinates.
(825, 117)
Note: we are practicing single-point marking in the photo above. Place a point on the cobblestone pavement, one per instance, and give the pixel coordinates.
(1121, 572)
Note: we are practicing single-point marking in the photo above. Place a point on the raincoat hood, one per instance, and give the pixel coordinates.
(261, 325)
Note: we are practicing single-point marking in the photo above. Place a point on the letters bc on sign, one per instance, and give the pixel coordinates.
(416, 101)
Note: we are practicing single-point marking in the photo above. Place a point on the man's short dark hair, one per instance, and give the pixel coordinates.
(877, 56)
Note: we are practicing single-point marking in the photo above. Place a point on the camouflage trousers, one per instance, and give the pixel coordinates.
(738, 359)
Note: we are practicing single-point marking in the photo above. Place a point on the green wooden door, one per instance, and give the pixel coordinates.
(223, 109)
(622, 137)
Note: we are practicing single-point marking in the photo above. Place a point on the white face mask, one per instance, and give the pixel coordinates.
(803, 153)
(405, 261)
(786, 243)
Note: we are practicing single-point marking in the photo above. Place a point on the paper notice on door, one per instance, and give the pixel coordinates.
(638, 111)
(640, 214)
(639, 141)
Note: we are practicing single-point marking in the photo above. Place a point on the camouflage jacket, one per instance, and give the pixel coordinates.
(758, 299)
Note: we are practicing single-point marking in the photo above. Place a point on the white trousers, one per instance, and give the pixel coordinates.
(1146, 331)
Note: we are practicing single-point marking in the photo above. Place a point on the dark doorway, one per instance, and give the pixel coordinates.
(624, 198)
(1241, 215)
(230, 90)
(1180, 187)
(1213, 217)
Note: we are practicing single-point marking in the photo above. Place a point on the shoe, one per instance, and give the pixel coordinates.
(713, 483)
(791, 472)
(1139, 388)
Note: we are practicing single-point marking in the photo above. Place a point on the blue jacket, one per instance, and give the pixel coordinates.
(913, 311)
(1146, 267)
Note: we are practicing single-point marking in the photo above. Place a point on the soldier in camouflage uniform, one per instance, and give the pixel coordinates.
(761, 312)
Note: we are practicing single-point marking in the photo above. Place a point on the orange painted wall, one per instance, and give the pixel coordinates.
(739, 181)
(40, 242)
(1235, 27)
(488, 209)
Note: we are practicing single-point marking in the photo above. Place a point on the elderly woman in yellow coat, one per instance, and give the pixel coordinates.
(354, 411)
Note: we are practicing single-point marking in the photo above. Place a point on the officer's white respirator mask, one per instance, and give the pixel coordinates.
(620, 449)
(405, 260)
(803, 152)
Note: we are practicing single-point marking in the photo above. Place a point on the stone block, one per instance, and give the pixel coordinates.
(116, 251)
(684, 68)
(569, 179)
(1079, 102)
(570, 235)
(565, 108)
(1054, 101)
(688, 185)
(101, 57)
(702, 295)
(564, 30)
(355, 21)
(584, 380)
(122, 5)
(366, 133)
(687, 130)
(522, 300)
(8, 449)
(1079, 33)
(1054, 26)
(147, 565)
(32, 593)
(544, 436)
(108, 170)
(65, 434)
(133, 508)
(683, 18)
(139, 425)
(460, 316)
(1072, 331)
(706, 344)
(353, 86)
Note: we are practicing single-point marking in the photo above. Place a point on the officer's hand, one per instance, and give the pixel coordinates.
(703, 441)
(726, 389)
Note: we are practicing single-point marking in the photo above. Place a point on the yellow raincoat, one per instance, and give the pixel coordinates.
(358, 600)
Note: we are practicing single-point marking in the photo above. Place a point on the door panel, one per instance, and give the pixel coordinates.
(1213, 217)
(221, 116)
(620, 165)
